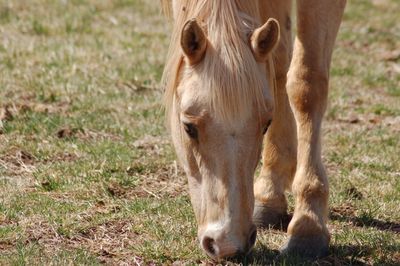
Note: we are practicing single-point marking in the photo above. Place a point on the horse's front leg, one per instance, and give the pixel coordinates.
(317, 26)
(279, 154)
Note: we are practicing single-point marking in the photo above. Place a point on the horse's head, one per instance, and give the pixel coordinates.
(220, 109)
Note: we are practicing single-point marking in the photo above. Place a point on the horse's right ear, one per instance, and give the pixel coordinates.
(264, 39)
(193, 42)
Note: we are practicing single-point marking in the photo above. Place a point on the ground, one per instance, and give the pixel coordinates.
(87, 171)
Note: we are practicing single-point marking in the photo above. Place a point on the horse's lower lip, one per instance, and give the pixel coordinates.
(253, 237)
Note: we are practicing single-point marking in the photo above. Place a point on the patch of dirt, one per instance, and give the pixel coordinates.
(63, 157)
(84, 134)
(116, 190)
(12, 110)
(383, 3)
(155, 179)
(17, 162)
(67, 132)
(102, 207)
(5, 220)
(43, 233)
(135, 86)
(393, 55)
(392, 122)
(6, 242)
(18, 157)
(366, 119)
(17, 168)
(363, 121)
(138, 261)
(353, 193)
(5, 246)
(347, 213)
(112, 240)
(59, 107)
(152, 145)
(345, 255)
(345, 210)
(5, 114)
(166, 181)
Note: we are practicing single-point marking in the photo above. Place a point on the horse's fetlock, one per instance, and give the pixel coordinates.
(310, 190)
(307, 223)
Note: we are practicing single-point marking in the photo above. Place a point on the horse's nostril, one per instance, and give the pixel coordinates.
(252, 238)
(209, 246)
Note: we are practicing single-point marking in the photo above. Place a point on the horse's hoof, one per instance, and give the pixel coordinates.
(265, 217)
(311, 248)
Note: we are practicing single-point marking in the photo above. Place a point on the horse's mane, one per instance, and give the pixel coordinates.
(228, 69)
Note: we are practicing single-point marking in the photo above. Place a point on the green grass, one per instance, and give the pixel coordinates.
(88, 174)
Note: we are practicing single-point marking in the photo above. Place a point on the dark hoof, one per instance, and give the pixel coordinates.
(306, 247)
(265, 217)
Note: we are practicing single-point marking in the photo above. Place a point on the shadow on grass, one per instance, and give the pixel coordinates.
(367, 221)
(338, 255)
(359, 221)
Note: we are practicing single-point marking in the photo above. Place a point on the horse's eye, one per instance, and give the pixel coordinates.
(191, 130)
(267, 126)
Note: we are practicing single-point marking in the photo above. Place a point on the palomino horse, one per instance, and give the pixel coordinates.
(231, 70)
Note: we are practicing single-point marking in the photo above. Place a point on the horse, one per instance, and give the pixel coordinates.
(238, 87)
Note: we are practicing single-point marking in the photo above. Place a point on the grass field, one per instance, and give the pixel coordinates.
(87, 171)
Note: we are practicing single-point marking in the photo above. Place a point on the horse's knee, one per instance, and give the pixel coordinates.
(308, 91)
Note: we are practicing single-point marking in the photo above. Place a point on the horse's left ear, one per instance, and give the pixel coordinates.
(264, 39)
(193, 42)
